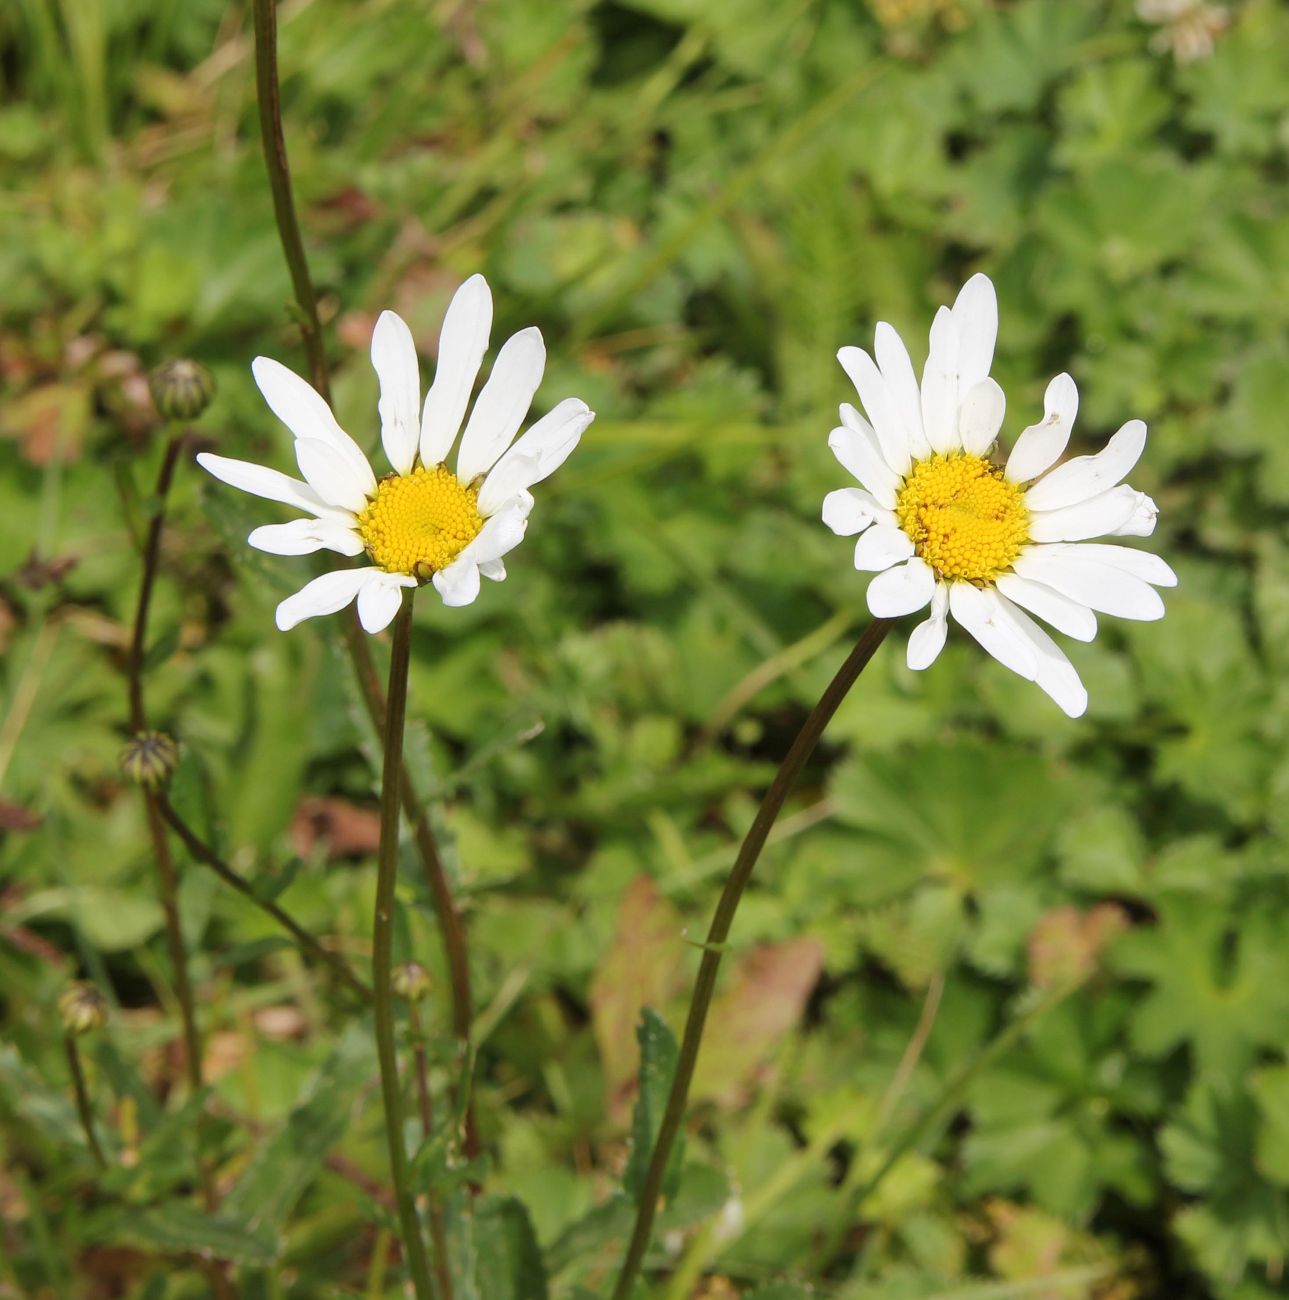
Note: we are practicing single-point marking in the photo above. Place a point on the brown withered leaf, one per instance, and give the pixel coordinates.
(49, 422)
(37, 572)
(645, 966)
(1066, 943)
(346, 830)
(762, 1003)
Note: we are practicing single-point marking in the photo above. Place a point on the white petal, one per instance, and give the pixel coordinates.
(981, 416)
(330, 475)
(1064, 614)
(305, 536)
(1094, 517)
(462, 343)
(940, 385)
(323, 595)
(901, 590)
(880, 547)
(848, 511)
(902, 385)
(270, 484)
(498, 536)
(393, 354)
(1089, 476)
(458, 584)
(495, 570)
(927, 639)
(507, 478)
(1141, 564)
(1055, 674)
(1142, 521)
(859, 455)
(503, 403)
(877, 401)
(1100, 586)
(551, 440)
(975, 313)
(379, 600)
(980, 615)
(1040, 445)
(304, 411)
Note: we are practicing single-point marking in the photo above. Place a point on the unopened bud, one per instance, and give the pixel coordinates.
(150, 759)
(181, 389)
(410, 980)
(82, 1008)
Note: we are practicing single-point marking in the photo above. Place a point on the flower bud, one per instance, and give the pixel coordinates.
(150, 759)
(181, 389)
(82, 1007)
(410, 980)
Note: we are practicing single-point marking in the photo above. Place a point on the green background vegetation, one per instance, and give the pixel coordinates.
(698, 203)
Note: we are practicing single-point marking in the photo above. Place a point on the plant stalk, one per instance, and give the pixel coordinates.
(204, 853)
(451, 927)
(434, 1212)
(382, 951)
(83, 1108)
(705, 985)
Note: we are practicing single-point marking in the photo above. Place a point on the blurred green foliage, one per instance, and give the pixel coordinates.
(698, 203)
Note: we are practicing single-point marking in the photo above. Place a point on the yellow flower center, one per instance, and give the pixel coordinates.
(418, 523)
(965, 519)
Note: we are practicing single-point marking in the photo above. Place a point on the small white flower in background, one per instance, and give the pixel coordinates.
(1187, 28)
(943, 525)
(424, 521)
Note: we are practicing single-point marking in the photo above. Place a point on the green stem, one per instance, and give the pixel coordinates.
(704, 987)
(451, 927)
(270, 100)
(83, 1108)
(434, 1211)
(204, 853)
(382, 950)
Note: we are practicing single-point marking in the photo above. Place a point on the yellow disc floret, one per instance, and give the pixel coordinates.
(418, 523)
(965, 520)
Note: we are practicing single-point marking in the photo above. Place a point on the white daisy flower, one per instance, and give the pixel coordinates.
(942, 524)
(424, 522)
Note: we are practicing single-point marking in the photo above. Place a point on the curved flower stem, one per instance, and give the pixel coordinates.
(382, 951)
(83, 1107)
(451, 927)
(204, 853)
(785, 778)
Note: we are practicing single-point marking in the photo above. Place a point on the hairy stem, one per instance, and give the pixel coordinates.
(83, 1108)
(704, 987)
(382, 951)
(205, 854)
(451, 927)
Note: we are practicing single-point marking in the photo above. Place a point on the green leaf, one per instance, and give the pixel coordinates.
(177, 1228)
(509, 1261)
(284, 1165)
(657, 1068)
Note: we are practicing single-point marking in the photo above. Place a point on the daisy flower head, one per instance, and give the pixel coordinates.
(945, 522)
(424, 521)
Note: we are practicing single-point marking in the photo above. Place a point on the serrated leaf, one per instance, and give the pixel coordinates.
(509, 1260)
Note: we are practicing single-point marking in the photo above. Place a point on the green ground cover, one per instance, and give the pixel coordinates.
(698, 203)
